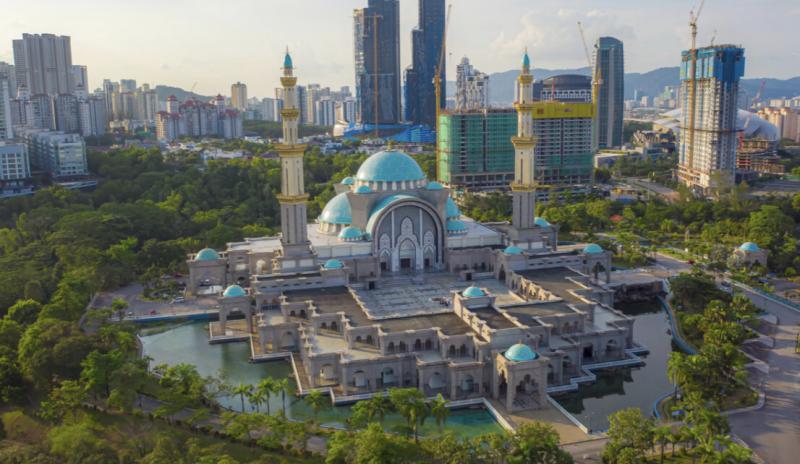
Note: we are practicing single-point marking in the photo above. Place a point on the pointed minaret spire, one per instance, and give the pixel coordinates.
(287, 63)
(524, 185)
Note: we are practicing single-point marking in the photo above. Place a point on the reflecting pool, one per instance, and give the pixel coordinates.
(188, 343)
(639, 387)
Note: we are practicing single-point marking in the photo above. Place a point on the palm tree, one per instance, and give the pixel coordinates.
(377, 406)
(283, 386)
(316, 400)
(661, 435)
(257, 398)
(242, 390)
(418, 412)
(267, 387)
(439, 410)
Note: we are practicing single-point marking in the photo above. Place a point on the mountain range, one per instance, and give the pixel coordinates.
(652, 83)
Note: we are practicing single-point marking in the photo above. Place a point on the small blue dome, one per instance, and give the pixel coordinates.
(455, 226)
(234, 291)
(348, 181)
(541, 222)
(520, 352)
(451, 209)
(206, 254)
(749, 246)
(287, 60)
(512, 250)
(473, 292)
(337, 211)
(350, 233)
(390, 166)
(434, 186)
(592, 249)
(333, 264)
(364, 189)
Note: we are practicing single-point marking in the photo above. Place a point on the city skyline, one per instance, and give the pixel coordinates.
(492, 39)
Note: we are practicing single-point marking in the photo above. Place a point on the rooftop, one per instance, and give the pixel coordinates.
(555, 281)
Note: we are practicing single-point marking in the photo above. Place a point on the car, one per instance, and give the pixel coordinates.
(153, 312)
(177, 275)
(130, 313)
(178, 299)
(691, 261)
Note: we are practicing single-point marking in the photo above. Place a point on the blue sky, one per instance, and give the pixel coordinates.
(213, 43)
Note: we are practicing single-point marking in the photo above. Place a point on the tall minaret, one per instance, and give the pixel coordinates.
(293, 197)
(524, 186)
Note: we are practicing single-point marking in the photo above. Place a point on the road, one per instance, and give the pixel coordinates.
(139, 307)
(773, 432)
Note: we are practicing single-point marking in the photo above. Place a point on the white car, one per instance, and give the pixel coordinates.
(178, 299)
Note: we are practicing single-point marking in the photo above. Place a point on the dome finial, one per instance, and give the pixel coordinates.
(526, 61)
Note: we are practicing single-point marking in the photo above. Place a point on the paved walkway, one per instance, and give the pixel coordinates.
(774, 431)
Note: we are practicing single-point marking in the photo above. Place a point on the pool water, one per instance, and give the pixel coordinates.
(640, 386)
(188, 343)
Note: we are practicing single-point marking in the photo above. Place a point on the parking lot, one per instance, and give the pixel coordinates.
(139, 307)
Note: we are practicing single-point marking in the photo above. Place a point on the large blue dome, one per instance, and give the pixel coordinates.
(234, 291)
(390, 166)
(592, 249)
(337, 211)
(206, 254)
(520, 352)
(749, 246)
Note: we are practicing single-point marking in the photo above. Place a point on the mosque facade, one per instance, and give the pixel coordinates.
(393, 286)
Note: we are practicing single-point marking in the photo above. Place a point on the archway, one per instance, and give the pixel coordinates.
(334, 326)
(451, 352)
(407, 255)
(501, 276)
(467, 384)
(418, 345)
(436, 381)
(388, 377)
(287, 341)
(462, 351)
(327, 372)
(359, 379)
(390, 347)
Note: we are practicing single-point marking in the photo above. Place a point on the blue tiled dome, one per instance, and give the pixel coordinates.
(541, 222)
(520, 352)
(473, 292)
(512, 250)
(451, 209)
(434, 186)
(592, 249)
(206, 254)
(233, 291)
(364, 189)
(456, 226)
(390, 166)
(350, 233)
(348, 181)
(333, 264)
(749, 246)
(337, 211)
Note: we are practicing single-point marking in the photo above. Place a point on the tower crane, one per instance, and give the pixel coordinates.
(596, 81)
(693, 17)
(437, 86)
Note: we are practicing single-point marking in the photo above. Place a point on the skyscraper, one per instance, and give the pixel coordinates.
(44, 63)
(239, 96)
(80, 77)
(426, 49)
(707, 139)
(377, 62)
(5, 108)
(472, 87)
(610, 70)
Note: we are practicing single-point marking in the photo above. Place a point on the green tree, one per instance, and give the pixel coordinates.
(64, 401)
(536, 442)
(24, 312)
(316, 400)
(628, 429)
(439, 410)
(242, 390)
(98, 369)
(80, 444)
(267, 388)
(410, 403)
(661, 436)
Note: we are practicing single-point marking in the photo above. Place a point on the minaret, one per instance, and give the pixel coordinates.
(293, 197)
(524, 186)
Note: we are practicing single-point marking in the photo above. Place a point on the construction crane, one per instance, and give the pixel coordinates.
(596, 81)
(437, 86)
(693, 17)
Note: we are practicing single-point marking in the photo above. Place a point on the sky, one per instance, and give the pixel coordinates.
(212, 44)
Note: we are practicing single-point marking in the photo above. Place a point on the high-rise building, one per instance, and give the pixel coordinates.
(325, 112)
(66, 113)
(43, 63)
(472, 87)
(127, 85)
(609, 64)
(80, 77)
(564, 88)
(6, 120)
(709, 97)
(194, 118)
(786, 120)
(239, 96)
(475, 149)
(92, 116)
(426, 50)
(11, 75)
(43, 108)
(378, 68)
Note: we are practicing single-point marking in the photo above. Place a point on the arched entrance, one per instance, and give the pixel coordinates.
(359, 379)
(387, 377)
(436, 381)
(407, 255)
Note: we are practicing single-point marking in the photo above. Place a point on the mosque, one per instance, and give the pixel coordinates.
(393, 286)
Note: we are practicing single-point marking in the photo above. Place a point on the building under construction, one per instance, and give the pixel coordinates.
(708, 136)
